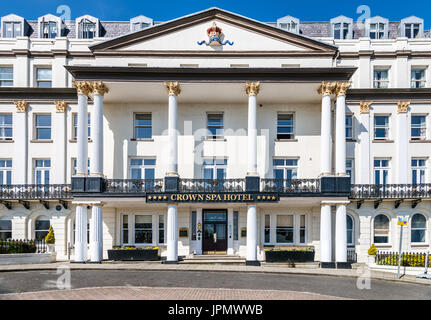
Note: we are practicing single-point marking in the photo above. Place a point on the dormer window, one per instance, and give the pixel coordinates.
(377, 27)
(140, 23)
(49, 26)
(87, 27)
(49, 30)
(412, 27)
(288, 23)
(12, 26)
(341, 28)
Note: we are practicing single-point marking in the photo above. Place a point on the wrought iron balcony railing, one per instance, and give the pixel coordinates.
(121, 186)
(290, 185)
(391, 191)
(210, 185)
(35, 192)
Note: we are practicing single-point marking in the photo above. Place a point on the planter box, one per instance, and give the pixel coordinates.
(133, 255)
(27, 258)
(289, 256)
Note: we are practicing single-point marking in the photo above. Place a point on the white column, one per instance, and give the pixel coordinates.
(251, 233)
(326, 90)
(340, 130)
(96, 233)
(173, 91)
(341, 234)
(402, 143)
(364, 138)
(81, 233)
(83, 89)
(20, 134)
(325, 233)
(60, 143)
(172, 233)
(96, 163)
(252, 89)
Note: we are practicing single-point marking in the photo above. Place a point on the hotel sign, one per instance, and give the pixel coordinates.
(212, 197)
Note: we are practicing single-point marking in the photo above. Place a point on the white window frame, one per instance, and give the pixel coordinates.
(214, 166)
(305, 229)
(4, 81)
(291, 23)
(351, 127)
(7, 230)
(85, 19)
(142, 167)
(74, 166)
(377, 21)
(287, 228)
(386, 127)
(381, 84)
(219, 134)
(42, 218)
(123, 229)
(12, 18)
(422, 128)
(74, 126)
(49, 18)
(293, 134)
(382, 169)
(140, 20)
(164, 228)
(44, 171)
(39, 81)
(134, 230)
(389, 230)
(418, 229)
(412, 20)
(36, 127)
(286, 168)
(419, 170)
(422, 82)
(351, 169)
(352, 243)
(6, 171)
(142, 126)
(3, 127)
(342, 20)
(265, 227)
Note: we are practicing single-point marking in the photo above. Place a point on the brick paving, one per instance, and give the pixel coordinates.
(146, 293)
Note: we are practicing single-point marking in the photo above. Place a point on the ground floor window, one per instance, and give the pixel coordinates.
(193, 228)
(284, 230)
(418, 228)
(349, 224)
(235, 225)
(5, 229)
(143, 229)
(161, 228)
(125, 229)
(267, 228)
(381, 229)
(41, 227)
(302, 231)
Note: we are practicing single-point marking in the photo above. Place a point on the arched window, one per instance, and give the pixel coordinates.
(5, 228)
(350, 232)
(41, 227)
(381, 229)
(418, 228)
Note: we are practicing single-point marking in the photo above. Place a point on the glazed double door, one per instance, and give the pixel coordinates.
(214, 231)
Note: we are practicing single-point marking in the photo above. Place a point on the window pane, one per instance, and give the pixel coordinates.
(418, 221)
(43, 133)
(284, 221)
(43, 120)
(143, 132)
(43, 73)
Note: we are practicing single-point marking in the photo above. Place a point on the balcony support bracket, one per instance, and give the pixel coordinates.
(26, 204)
(45, 204)
(64, 204)
(398, 202)
(415, 203)
(7, 204)
(377, 203)
(359, 204)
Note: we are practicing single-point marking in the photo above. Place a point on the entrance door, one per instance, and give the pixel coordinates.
(214, 232)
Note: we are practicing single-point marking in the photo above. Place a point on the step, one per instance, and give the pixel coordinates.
(213, 262)
(214, 257)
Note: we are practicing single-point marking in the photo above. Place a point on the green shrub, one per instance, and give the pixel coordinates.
(407, 260)
(372, 251)
(50, 237)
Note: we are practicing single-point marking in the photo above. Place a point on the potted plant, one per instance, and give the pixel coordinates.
(50, 239)
(132, 253)
(289, 254)
(372, 251)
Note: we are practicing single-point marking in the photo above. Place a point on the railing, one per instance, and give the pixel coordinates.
(22, 246)
(134, 185)
(210, 185)
(35, 191)
(351, 255)
(290, 186)
(408, 259)
(391, 191)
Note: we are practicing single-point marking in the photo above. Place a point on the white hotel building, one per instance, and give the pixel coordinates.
(216, 133)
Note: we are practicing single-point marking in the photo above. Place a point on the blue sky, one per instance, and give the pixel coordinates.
(263, 10)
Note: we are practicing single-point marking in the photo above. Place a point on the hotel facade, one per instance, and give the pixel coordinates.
(216, 133)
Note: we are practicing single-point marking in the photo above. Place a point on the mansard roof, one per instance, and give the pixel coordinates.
(209, 15)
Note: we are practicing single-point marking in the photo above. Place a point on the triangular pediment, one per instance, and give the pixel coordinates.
(189, 33)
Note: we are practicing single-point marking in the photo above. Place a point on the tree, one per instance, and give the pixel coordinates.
(50, 237)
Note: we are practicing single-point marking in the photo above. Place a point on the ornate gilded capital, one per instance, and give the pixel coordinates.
(173, 88)
(327, 88)
(341, 88)
(60, 106)
(252, 88)
(21, 106)
(99, 88)
(403, 106)
(364, 107)
(83, 87)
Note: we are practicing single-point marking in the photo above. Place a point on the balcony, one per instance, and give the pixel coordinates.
(291, 186)
(211, 186)
(133, 186)
(35, 192)
(391, 191)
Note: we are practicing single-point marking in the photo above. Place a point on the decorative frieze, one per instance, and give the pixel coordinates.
(341, 88)
(252, 88)
(327, 88)
(364, 107)
(173, 88)
(99, 88)
(403, 106)
(83, 87)
(21, 106)
(60, 106)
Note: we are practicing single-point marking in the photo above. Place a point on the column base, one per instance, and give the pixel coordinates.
(327, 265)
(252, 263)
(169, 262)
(344, 265)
